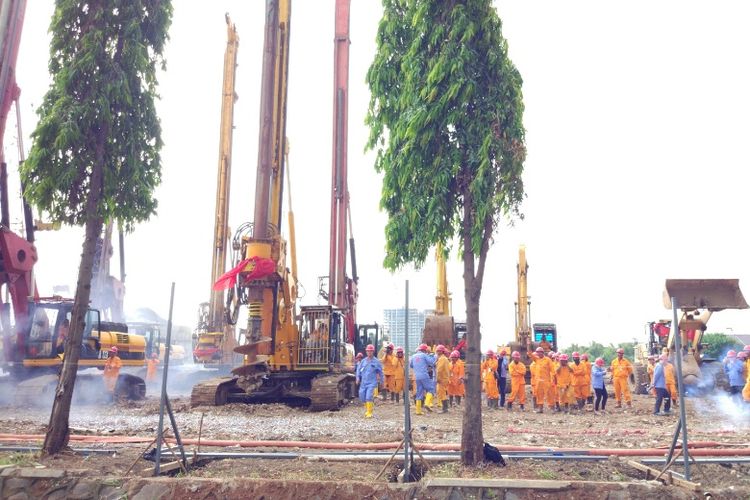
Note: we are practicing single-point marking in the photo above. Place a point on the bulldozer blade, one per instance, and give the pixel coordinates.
(713, 295)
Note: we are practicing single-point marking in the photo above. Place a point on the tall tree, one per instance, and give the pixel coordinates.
(95, 154)
(445, 117)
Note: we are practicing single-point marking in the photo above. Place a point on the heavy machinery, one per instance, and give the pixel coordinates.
(697, 300)
(31, 353)
(215, 334)
(310, 356)
(440, 327)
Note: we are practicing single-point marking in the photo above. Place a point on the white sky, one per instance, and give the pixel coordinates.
(637, 118)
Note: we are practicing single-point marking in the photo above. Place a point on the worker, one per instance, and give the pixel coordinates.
(517, 372)
(532, 371)
(579, 380)
(152, 365)
(650, 370)
(456, 388)
(62, 336)
(112, 371)
(746, 390)
(669, 375)
(443, 375)
(389, 369)
(564, 377)
(420, 363)
(399, 374)
(553, 393)
(544, 344)
(598, 371)
(621, 371)
(369, 376)
(587, 388)
(489, 377)
(660, 384)
(735, 370)
(544, 374)
(502, 375)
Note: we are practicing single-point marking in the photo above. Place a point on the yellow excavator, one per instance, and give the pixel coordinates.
(306, 357)
(215, 336)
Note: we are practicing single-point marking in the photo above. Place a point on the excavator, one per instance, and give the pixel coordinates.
(215, 336)
(32, 347)
(440, 327)
(307, 357)
(696, 300)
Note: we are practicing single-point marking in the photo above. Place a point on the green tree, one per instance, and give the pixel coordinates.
(95, 154)
(718, 344)
(445, 117)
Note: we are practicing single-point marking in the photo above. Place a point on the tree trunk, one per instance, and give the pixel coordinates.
(58, 431)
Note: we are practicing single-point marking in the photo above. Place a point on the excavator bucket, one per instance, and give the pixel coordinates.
(713, 295)
(438, 330)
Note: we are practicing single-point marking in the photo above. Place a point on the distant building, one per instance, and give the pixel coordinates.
(394, 323)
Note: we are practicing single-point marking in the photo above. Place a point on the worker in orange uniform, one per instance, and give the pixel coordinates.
(489, 376)
(746, 389)
(544, 374)
(650, 370)
(152, 366)
(621, 371)
(532, 370)
(552, 391)
(456, 389)
(579, 380)
(564, 376)
(443, 372)
(112, 371)
(389, 370)
(517, 372)
(669, 375)
(587, 390)
(399, 375)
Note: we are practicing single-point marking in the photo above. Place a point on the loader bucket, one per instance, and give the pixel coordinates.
(713, 295)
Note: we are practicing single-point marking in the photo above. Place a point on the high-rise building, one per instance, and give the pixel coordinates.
(395, 325)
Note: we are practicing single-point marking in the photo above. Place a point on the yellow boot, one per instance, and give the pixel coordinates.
(419, 407)
(428, 400)
(369, 405)
(375, 393)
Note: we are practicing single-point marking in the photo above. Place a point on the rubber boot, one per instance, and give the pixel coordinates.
(458, 400)
(419, 407)
(630, 405)
(428, 401)
(510, 405)
(581, 404)
(445, 406)
(618, 405)
(557, 407)
(566, 408)
(393, 397)
(452, 400)
(367, 410)
(384, 396)
(539, 409)
(398, 397)
(522, 409)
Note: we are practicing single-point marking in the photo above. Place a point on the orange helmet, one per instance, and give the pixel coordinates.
(455, 354)
(360, 355)
(399, 349)
(516, 355)
(563, 357)
(370, 347)
(576, 354)
(440, 348)
(747, 348)
(742, 355)
(585, 357)
(423, 348)
(599, 362)
(113, 349)
(539, 349)
(389, 345)
(490, 353)
(620, 351)
(730, 354)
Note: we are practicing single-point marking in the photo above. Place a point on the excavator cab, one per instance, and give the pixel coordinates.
(322, 341)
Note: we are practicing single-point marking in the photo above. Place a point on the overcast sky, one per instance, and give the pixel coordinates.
(637, 119)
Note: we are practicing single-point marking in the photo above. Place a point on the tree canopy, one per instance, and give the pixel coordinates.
(445, 118)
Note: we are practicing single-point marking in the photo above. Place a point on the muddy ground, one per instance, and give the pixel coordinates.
(710, 419)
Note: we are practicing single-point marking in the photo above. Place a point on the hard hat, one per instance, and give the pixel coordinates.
(503, 352)
(731, 354)
(490, 353)
(599, 362)
(423, 347)
(516, 355)
(664, 357)
(370, 347)
(576, 355)
(389, 345)
(455, 354)
(742, 355)
(747, 348)
(585, 356)
(563, 357)
(153, 355)
(539, 349)
(113, 349)
(440, 348)
(360, 355)
(621, 351)
(399, 349)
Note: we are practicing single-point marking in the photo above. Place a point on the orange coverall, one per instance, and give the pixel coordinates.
(544, 373)
(399, 375)
(151, 367)
(650, 370)
(456, 386)
(579, 380)
(621, 370)
(670, 380)
(517, 371)
(489, 368)
(111, 372)
(587, 387)
(443, 370)
(389, 370)
(564, 384)
(746, 389)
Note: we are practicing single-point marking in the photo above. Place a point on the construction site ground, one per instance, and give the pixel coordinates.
(629, 428)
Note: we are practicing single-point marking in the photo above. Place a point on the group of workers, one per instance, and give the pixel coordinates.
(737, 369)
(557, 381)
(440, 374)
